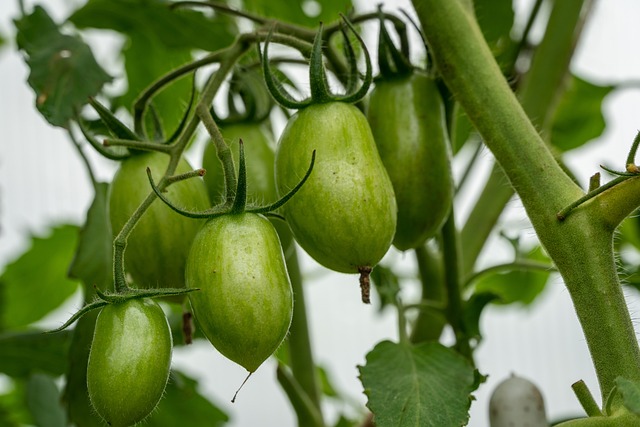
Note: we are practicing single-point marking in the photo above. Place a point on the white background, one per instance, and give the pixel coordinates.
(42, 182)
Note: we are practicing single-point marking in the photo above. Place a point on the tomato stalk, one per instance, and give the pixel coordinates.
(581, 246)
(430, 322)
(538, 95)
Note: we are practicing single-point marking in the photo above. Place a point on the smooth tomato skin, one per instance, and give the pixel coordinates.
(245, 302)
(129, 361)
(158, 246)
(344, 216)
(259, 158)
(408, 123)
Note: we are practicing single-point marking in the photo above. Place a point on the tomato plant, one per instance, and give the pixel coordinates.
(129, 361)
(364, 161)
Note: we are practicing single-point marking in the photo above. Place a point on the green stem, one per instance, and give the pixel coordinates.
(581, 247)
(137, 145)
(511, 266)
(83, 157)
(586, 399)
(307, 414)
(451, 258)
(300, 353)
(539, 93)
(429, 324)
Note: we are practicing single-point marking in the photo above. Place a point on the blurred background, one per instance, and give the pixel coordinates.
(43, 183)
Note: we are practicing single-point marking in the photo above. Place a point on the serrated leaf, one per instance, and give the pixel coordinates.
(25, 353)
(36, 283)
(63, 71)
(302, 12)
(630, 392)
(579, 118)
(92, 262)
(43, 401)
(183, 405)
(522, 286)
(427, 385)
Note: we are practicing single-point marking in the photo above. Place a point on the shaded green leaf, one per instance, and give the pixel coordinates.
(521, 286)
(159, 40)
(411, 385)
(346, 422)
(25, 353)
(63, 71)
(183, 405)
(579, 118)
(13, 406)
(495, 18)
(630, 392)
(302, 12)
(326, 385)
(387, 284)
(36, 283)
(92, 262)
(76, 395)
(463, 130)
(43, 401)
(473, 310)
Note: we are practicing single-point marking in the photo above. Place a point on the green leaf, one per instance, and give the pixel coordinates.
(159, 40)
(463, 130)
(25, 353)
(183, 405)
(302, 12)
(92, 262)
(495, 18)
(64, 72)
(521, 286)
(473, 311)
(13, 406)
(424, 385)
(579, 118)
(36, 283)
(43, 401)
(630, 392)
(387, 284)
(76, 395)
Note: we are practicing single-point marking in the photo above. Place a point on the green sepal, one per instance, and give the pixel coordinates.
(115, 126)
(391, 61)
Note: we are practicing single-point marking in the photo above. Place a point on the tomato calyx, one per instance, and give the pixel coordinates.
(320, 92)
(105, 298)
(239, 201)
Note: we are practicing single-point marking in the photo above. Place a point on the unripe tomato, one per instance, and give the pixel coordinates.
(158, 246)
(259, 156)
(129, 361)
(408, 123)
(245, 302)
(344, 216)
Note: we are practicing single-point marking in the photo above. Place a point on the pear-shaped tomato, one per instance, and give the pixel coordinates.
(158, 246)
(245, 302)
(408, 123)
(259, 156)
(344, 216)
(129, 361)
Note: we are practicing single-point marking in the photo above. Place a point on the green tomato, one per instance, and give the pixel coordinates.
(245, 302)
(158, 246)
(259, 157)
(408, 123)
(344, 216)
(129, 361)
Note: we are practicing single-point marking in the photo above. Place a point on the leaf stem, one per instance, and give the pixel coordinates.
(510, 266)
(429, 324)
(586, 399)
(308, 415)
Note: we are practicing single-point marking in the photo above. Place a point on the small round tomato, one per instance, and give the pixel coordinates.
(158, 246)
(129, 361)
(245, 302)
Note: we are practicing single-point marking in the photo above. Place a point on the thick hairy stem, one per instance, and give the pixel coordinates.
(581, 246)
(539, 93)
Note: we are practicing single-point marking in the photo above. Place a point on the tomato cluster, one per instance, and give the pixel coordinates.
(379, 179)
